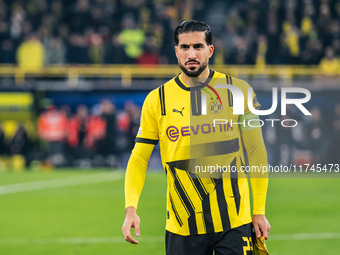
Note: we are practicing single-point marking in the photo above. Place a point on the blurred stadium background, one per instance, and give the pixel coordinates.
(74, 75)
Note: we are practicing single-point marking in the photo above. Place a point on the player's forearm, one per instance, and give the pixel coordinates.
(135, 173)
(257, 157)
(259, 180)
(259, 187)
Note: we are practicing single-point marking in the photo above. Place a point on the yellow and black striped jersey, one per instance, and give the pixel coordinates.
(183, 120)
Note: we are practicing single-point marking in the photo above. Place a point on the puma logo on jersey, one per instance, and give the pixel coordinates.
(179, 111)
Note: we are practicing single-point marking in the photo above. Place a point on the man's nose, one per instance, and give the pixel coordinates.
(192, 54)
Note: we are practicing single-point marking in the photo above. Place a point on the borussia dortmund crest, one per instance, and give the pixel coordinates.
(215, 107)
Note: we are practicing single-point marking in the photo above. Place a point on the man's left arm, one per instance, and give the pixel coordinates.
(257, 157)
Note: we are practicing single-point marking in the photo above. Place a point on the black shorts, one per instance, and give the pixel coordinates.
(236, 241)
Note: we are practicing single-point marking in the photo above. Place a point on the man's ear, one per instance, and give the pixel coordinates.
(176, 50)
(211, 50)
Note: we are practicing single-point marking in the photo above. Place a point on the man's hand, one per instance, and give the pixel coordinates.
(261, 226)
(131, 221)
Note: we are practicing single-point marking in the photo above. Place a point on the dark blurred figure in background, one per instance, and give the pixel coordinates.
(78, 133)
(20, 144)
(77, 50)
(108, 147)
(115, 51)
(3, 146)
(52, 128)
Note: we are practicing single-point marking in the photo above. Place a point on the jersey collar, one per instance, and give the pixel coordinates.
(182, 86)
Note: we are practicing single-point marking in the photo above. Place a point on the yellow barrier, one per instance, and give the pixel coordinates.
(129, 72)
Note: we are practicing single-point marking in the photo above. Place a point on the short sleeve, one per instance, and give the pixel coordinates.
(148, 129)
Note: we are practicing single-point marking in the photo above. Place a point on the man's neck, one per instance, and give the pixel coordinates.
(186, 79)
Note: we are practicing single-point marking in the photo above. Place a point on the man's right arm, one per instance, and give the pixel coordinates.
(134, 182)
(146, 140)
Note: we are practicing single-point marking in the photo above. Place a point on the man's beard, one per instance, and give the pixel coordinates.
(192, 73)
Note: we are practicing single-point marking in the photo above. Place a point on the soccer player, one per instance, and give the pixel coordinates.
(206, 212)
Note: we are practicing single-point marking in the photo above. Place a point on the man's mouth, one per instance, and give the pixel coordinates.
(191, 63)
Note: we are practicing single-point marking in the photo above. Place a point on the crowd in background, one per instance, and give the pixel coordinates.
(101, 136)
(258, 32)
(90, 137)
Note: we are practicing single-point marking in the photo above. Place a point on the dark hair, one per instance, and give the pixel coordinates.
(193, 26)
